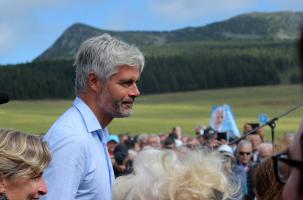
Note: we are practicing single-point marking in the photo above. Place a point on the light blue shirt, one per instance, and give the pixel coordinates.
(81, 167)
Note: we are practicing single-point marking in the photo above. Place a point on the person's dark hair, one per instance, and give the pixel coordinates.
(122, 165)
(210, 133)
(173, 135)
(168, 142)
(120, 153)
(130, 142)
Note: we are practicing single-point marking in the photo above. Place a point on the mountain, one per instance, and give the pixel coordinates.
(277, 26)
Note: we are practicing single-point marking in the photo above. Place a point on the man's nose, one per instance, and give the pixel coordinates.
(134, 91)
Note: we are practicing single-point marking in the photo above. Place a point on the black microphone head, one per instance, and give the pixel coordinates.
(4, 98)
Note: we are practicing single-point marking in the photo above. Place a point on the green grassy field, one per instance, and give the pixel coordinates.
(159, 113)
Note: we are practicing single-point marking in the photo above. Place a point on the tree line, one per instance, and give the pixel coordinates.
(189, 67)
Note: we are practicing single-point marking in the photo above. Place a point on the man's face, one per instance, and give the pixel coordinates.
(153, 142)
(244, 154)
(292, 186)
(119, 92)
(255, 141)
(201, 140)
(247, 128)
(178, 131)
(219, 117)
(111, 145)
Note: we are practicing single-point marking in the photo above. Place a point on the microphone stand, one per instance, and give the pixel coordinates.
(271, 123)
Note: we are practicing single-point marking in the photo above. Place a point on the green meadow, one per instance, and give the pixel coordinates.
(159, 113)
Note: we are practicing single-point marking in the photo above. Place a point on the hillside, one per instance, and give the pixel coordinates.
(159, 113)
(183, 66)
(273, 26)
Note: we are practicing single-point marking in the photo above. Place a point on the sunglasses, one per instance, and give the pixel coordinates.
(244, 153)
(282, 164)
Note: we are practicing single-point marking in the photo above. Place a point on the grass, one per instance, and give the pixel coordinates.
(159, 113)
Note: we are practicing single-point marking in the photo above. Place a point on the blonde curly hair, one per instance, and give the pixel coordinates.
(167, 175)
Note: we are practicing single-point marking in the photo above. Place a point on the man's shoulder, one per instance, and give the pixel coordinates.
(70, 119)
(68, 126)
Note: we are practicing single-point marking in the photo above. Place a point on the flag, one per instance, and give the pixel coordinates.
(223, 120)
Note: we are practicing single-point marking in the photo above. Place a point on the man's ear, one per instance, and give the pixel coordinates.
(94, 83)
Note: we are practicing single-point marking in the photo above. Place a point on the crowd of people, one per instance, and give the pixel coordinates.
(241, 160)
(78, 159)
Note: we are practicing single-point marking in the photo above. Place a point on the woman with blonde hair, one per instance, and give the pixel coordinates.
(167, 175)
(23, 157)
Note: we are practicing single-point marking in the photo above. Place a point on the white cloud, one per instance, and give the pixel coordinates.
(6, 39)
(189, 11)
(25, 24)
(185, 10)
(287, 4)
(18, 23)
(34, 25)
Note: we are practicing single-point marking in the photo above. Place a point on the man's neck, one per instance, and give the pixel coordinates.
(90, 101)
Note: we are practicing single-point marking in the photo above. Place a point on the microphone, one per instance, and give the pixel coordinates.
(270, 123)
(4, 98)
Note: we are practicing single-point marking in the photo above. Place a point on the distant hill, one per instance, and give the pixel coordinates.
(273, 26)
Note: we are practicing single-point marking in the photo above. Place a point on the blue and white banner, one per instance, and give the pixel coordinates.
(223, 120)
(263, 118)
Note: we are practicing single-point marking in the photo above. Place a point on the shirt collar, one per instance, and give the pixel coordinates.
(91, 122)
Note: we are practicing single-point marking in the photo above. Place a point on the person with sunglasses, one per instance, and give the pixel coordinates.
(244, 152)
(243, 155)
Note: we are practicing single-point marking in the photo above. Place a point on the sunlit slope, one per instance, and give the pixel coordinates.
(159, 113)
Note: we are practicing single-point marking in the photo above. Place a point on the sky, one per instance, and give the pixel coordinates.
(29, 27)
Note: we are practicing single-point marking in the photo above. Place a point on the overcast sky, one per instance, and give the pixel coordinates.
(29, 27)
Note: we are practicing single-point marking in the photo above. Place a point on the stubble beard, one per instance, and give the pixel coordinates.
(117, 108)
(120, 111)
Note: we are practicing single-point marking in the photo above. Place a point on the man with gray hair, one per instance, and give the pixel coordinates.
(243, 155)
(107, 71)
(265, 151)
(153, 141)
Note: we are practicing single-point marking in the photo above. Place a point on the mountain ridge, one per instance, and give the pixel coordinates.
(282, 25)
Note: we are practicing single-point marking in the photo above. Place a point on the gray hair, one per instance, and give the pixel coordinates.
(265, 150)
(244, 143)
(104, 55)
(153, 136)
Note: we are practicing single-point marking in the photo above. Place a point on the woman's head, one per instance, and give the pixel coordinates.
(266, 186)
(165, 174)
(23, 158)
